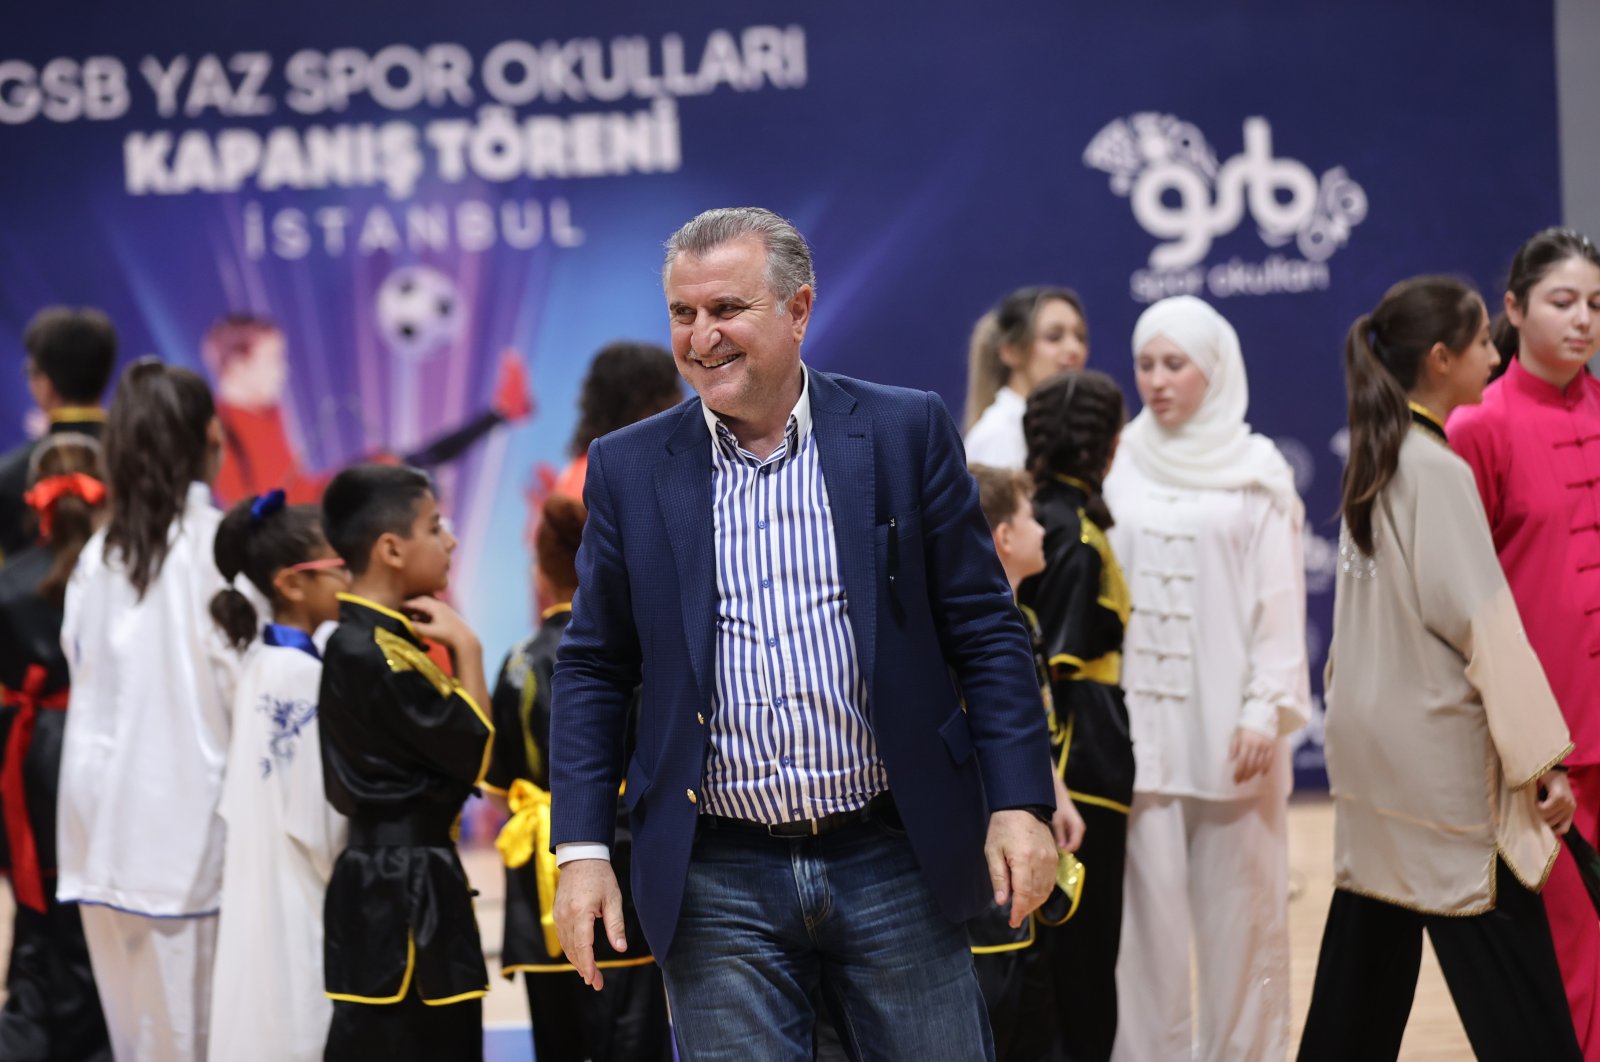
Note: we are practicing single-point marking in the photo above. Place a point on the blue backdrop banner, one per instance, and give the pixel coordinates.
(428, 198)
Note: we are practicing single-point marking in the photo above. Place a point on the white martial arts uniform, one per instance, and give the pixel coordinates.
(995, 438)
(267, 1002)
(139, 839)
(1216, 642)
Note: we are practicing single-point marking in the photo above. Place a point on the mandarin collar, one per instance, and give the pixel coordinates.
(1526, 383)
(380, 615)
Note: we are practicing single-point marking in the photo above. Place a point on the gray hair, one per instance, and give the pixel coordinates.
(788, 257)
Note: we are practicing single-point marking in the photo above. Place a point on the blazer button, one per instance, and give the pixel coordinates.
(692, 798)
(700, 717)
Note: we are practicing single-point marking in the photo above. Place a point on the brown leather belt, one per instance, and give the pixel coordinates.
(879, 807)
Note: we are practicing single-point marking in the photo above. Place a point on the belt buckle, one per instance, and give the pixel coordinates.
(787, 831)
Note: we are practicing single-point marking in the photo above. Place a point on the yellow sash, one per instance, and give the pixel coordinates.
(525, 836)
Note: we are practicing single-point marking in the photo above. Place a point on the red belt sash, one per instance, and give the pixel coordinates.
(26, 880)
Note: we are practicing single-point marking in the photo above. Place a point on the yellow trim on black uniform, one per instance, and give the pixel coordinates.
(77, 415)
(1427, 414)
(1015, 945)
(405, 982)
(1084, 798)
(401, 655)
(367, 602)
(477, 993)
(405, 986)
(566, 967)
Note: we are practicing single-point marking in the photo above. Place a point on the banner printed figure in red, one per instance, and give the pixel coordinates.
(249, 362)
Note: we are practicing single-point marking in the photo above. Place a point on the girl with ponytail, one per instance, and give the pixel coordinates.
(283, 836)
(1081, 603)
(1443, 741)
(1534, 449)
(147, 734)
(1032, 334)
(52, 1005)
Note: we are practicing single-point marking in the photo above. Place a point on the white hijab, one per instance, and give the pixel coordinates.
(1215, 449)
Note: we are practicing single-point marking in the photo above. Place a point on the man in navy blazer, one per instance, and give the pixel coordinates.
(841, 751)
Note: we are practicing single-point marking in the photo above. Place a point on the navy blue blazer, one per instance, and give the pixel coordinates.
(645, 613)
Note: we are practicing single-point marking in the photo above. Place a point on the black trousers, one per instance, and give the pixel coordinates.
(1083, 951)
(624, 1022)
(408, 1031)
(1500, 967)
(53, 1010)
(1018, 993)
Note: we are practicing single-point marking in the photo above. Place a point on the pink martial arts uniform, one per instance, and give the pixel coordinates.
(1535, 450)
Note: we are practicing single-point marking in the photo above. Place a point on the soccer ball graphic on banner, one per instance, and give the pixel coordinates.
(419, 312)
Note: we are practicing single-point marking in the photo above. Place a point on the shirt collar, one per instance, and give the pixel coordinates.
(77, 415)
(290, 638)
(799, 417)
(1008, 399)
(1427, 419)
(386, 617)
(1526, 383)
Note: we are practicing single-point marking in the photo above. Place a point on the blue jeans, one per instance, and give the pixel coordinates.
(766, 922)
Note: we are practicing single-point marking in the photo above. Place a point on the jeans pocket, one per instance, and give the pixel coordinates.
(889, 825)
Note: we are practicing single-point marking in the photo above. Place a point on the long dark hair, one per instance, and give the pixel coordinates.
(1009, 324)
(258, 538)
(155, 447)
(72, 518)
(1533, 262)
(626, 383)
(1071, 425)
(1382, 358)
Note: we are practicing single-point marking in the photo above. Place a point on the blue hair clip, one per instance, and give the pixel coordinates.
(265, 505)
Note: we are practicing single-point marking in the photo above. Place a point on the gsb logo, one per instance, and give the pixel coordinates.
(1179, 193)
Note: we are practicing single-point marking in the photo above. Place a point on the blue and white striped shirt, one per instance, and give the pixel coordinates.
(789, 729)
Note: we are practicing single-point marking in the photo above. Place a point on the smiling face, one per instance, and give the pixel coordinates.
(1559, 327)
(1060, 343)
(733, 341)
(1170, 384)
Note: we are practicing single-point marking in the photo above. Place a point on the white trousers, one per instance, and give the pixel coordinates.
(154, 978)
(1216, 873)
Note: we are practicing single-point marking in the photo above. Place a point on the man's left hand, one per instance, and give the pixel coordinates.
(1022, 861)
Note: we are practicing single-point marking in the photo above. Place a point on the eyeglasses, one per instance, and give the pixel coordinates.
(327, 564)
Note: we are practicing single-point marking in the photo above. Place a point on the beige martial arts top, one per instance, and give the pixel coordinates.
(1440, 721)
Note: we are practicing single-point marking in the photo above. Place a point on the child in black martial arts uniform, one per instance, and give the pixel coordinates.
(627, 1020)
(52, 1010)
(1013, 972)
(1071, 426)
(403, 746)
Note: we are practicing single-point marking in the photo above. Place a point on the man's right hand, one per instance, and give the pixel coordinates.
(587, 891)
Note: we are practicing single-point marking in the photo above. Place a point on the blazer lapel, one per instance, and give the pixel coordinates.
(683, 491)
(845, 451)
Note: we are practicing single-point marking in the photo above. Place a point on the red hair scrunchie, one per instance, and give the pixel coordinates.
(45, 493)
